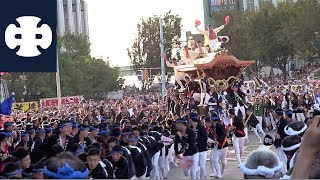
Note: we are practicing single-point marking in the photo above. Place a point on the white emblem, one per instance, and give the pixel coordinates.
(28, 40)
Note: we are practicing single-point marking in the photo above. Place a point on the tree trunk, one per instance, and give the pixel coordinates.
(284, 70)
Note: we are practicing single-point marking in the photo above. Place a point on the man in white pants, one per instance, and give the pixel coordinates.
(281, 124)
(179, 76)
(187, 138)
(217, 137)
(238, 137)
(251, 120)
(238, 100)
(201, 138)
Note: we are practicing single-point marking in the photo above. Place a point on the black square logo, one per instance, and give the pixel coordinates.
(28, 36)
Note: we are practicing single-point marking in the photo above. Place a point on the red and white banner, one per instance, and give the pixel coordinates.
(3, 73)
(65, 101)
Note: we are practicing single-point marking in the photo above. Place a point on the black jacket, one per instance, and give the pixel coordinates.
(35, 152)
(252, 121)
(235, 98)
(52, 140)
(120, 168)
(147, 156)
(188, 143)
(104, 170)
(87, 142)
(239, 126)
(281, 124)
(139, 160)
(201, 137)
(218, 133)
(127, 155)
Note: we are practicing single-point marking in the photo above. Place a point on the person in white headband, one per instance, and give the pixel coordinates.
(290, 146)
(262, 164)
(295, 128)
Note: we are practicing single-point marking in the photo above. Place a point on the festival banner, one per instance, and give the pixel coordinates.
(65, 101)
(26, 106)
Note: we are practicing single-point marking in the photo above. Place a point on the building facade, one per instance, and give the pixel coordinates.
(72, 17)
(210, 7)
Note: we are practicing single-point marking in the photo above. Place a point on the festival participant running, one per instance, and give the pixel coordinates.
(119, 163)
(281, 124)
(99, 169)
(238, 100)
(218, 141)
(154, 150)
(238, 137)
(140, 162)
(251, 120)
(201, 140)
(187, 138)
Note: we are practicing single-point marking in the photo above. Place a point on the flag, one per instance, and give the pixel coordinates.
(6, 106)
(186, 163)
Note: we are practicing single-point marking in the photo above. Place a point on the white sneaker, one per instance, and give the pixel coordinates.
(223, 172)
(175, 164)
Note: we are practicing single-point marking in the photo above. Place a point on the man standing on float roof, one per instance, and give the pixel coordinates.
(211, 36)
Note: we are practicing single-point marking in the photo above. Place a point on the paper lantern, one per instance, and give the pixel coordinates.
(227, 20)
(197, 22)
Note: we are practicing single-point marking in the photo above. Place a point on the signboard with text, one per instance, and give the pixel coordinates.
(26, 106)
(218, 5)
(65, 101)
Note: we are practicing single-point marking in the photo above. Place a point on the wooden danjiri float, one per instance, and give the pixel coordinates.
(220, 66)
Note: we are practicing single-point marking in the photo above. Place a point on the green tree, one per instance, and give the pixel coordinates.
(306, 29)
(145, 51)
(268, 41)
(99, 78)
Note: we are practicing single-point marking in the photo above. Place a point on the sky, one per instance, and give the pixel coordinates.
(113, 23)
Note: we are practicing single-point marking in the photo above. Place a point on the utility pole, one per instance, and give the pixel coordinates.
(163, 70)
(58, 83)
(61, 30)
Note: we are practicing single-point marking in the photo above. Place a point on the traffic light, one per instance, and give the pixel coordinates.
(140, 75)
(223, 39)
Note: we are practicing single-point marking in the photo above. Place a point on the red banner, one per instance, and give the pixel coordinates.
(3, 73)
(65, 101)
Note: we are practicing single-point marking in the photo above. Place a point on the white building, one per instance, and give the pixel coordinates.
(72, 17)
(254, 5)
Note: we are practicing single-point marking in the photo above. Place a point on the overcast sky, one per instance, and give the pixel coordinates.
(113, 23)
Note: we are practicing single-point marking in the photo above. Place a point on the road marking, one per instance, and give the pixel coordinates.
(233, 152)
(263, 147)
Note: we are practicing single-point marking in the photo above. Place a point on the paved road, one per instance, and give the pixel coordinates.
(233, 172)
